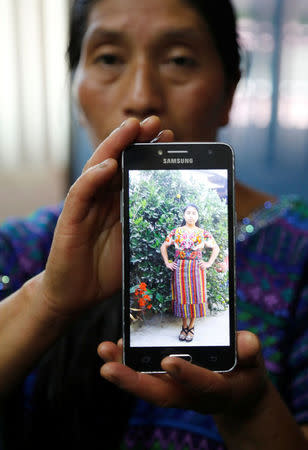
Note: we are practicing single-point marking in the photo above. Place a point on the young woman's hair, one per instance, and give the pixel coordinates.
(219, 16)
(184, 210)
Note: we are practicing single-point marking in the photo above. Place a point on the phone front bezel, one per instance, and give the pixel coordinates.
(206, 155)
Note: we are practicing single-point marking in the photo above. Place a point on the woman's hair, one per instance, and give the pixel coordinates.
(184, 210)
(218, 14)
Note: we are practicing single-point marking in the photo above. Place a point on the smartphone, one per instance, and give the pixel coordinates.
(177, 214)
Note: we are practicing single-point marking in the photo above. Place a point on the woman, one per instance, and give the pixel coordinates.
(189, 241)
(132, 61)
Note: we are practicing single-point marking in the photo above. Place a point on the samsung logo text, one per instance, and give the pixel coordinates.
(178, 160)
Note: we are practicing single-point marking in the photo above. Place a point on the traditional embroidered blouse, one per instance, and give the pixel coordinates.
(188, 244)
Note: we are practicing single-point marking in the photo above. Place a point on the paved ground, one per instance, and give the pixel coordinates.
(164, 331)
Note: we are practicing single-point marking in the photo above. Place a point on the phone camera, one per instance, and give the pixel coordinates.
(160, 152)
(210, 151)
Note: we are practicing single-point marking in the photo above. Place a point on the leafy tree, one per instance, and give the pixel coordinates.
(157, 202)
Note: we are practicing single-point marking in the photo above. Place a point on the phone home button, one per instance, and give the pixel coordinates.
(185, 356)
(146, 359)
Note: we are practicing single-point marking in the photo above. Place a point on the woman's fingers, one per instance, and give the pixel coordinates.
(114, 144)
(110, 352)
(248, 350)
(160, 390)
(131, 130)
(199, 381)
(164, 136)
(189, 386)
(81, 193)
(149, 128)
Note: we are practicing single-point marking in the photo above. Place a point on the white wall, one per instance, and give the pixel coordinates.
(34, 104)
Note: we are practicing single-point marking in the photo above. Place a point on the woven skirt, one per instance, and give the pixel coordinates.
(188, 286)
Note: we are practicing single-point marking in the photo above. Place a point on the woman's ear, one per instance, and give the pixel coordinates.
(229, 95)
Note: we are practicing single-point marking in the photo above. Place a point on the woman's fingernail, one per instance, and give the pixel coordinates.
(109, 376)
(145, 120)
(170, 367)
(157, 137)
(100, 350)
(104, 164)
(117, 129)
(114, 131)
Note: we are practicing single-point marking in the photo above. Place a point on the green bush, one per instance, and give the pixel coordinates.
(157, 201)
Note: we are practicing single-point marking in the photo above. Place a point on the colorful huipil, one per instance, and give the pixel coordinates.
(188, 281)
(272, 301)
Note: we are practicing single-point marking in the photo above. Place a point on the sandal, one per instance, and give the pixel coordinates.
(189, 338)
(182, 336)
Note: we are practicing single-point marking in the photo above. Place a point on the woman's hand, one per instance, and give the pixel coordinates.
(221, 267)
(191, 387)
(84, 265)
(204, 265)
(171, 265)
(247, 408)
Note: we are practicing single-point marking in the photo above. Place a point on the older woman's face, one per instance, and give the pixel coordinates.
(150, 57)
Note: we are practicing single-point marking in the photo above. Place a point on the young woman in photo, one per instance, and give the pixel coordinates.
(188, 283)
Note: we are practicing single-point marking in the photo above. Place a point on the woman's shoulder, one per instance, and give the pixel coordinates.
(178, 230)
(203, 232)
(44, 218)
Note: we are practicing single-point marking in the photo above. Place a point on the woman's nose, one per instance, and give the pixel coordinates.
(143, 91)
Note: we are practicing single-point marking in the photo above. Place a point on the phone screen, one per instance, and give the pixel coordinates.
(178, 245)
(186, 210)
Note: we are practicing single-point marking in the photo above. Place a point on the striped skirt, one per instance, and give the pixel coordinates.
(188, 285)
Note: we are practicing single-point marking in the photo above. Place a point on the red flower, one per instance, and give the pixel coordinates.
(142, 286)
(141, 302)
(149, 306)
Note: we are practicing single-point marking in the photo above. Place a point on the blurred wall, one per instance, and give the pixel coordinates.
(269, 121)
(34, 104)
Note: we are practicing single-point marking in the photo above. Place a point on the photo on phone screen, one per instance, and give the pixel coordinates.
(178, 247)
(183, 212)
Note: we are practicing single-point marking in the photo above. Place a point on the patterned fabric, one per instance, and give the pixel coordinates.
(24, 247)
(189, 241)
(188, 281)
(188, 287)
(272, 301)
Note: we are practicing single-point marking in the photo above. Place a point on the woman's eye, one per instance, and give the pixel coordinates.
(183, 61)
(108, 59)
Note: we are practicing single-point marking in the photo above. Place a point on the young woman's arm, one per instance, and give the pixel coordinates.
(215, 252)
(164, 253)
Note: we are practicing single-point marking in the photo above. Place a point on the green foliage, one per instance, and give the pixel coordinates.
(157, 201)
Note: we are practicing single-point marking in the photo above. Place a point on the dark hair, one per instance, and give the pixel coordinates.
(218, 14)
(184, 210)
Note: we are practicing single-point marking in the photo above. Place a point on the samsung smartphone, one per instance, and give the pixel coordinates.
(166, 285)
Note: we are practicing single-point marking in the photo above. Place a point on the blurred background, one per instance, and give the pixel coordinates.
(42, 148)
